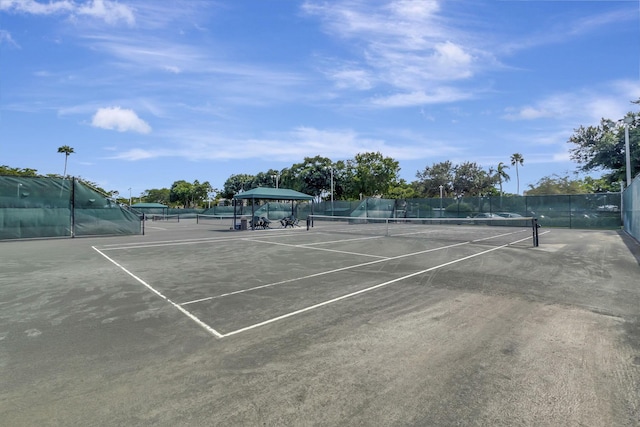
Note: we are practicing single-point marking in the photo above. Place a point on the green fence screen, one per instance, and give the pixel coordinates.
(631, 208)
(56, 207)
(601, 210)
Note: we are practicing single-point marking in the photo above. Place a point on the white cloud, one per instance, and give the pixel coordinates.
(109, 11)
(137, 154)
(414, 9)
(287, 146)
(5, 38)
(583, 106)
(351, 78)
(172, 69)
(36, 8)
(453, 59)
(410, 46)
(122, 120)
(441, 95)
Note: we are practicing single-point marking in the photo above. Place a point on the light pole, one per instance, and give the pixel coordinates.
(276, 177)
(331, 171)
(441, 201)
(627, 121)
(129, 196)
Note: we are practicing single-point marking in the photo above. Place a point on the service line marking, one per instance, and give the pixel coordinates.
(295, 279)
(181, 242)
(316, 249)
(362, 291)
(184, 311)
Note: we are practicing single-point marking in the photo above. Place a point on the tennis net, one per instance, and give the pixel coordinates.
(208, 219)
(164, 217)
(494, 230)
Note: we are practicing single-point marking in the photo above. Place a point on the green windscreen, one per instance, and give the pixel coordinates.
(632, 208)
(33, 207)
(598, 211)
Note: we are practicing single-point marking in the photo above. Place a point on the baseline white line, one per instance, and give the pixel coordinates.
(170, 243)
(104, 247)
(293, 313)
(242, 291)
(185, 312)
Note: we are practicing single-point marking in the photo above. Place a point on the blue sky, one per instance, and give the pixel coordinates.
(148, 92)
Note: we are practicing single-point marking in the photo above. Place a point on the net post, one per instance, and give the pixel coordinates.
(535, 226)
(308, 222)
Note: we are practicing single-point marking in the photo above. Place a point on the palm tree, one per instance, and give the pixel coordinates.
(67, 151)
(502, 175)
(517, 159)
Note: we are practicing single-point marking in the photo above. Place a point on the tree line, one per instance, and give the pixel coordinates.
(373, 175)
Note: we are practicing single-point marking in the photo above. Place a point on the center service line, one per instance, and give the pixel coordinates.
(185, 312)
(322, 273)
(293, 313)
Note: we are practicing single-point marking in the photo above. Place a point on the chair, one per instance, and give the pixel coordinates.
(289, 221)
(256, 223)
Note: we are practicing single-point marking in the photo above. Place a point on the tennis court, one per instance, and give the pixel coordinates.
(347, 323)
(260, 278)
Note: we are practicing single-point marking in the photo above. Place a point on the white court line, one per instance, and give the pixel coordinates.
(124, 245)
(361, 291)
(171, 243)
(316, 249)
(340, 241)
(185, 312)
(295, 279)
(268, 285)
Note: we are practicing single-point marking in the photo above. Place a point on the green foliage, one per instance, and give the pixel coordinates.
(467, 178)
(471, 180)
(370, 174)
(556, 184)
(189, 195)
(236, 183)
(517, 159)
(400, 190)
(431, 178)
(502, 175)
(6, 170)
(160, 195)
(603, 148)
(312, 176)
(67, 151)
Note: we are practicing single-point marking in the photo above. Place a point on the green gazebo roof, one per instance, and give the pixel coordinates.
(273, 194)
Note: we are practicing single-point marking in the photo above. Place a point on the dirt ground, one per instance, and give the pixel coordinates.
(544, 336)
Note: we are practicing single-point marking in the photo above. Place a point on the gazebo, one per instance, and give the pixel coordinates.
(262, 193)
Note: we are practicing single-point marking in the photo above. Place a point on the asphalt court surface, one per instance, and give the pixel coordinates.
(246, 279)
(197, 324)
